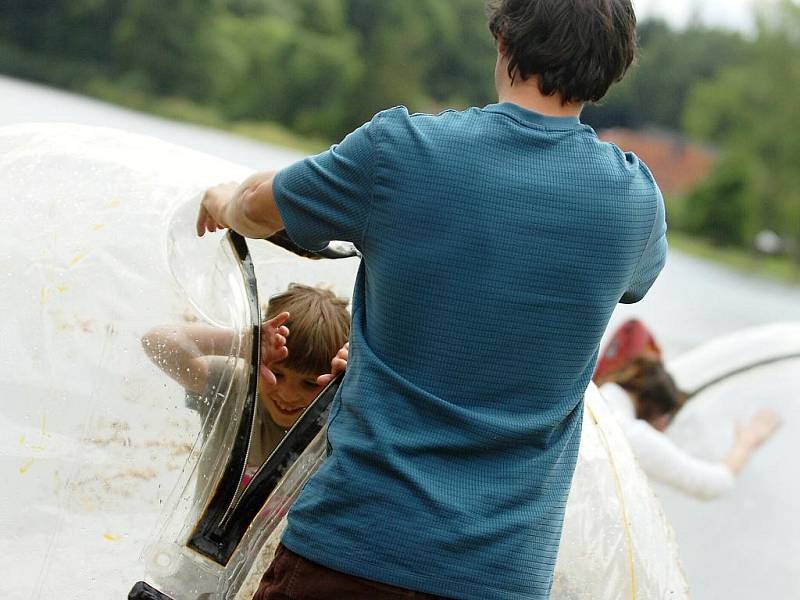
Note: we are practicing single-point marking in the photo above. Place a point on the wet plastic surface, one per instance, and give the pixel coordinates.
(100, 452)
(95, 437)
(745, 544)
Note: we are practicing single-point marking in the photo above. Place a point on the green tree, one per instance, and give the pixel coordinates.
(167, 45)
(671, 62)
(399, 45)
(751, 112)
(719, 209)
(268, 68)
(80, 29)
(463, 57)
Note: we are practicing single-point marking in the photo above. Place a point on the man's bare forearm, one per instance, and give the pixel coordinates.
(252, 212)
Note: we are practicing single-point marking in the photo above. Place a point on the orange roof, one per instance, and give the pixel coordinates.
(677, 163)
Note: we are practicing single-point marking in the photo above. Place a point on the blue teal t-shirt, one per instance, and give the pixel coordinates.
(496, 243)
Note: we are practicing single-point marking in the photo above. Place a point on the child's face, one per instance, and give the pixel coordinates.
(293, 392)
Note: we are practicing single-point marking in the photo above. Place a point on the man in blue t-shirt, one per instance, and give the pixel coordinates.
(496, 243)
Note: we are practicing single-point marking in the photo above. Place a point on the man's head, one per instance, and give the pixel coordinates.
(574, 48)
(318, 326)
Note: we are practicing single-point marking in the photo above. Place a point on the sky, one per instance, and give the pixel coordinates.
(734, 14)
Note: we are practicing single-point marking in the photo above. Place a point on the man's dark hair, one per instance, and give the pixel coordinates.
(577, 48)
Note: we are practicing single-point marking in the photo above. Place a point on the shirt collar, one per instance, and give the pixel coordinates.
(529, 117)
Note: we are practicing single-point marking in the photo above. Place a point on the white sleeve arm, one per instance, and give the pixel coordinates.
(664, 461)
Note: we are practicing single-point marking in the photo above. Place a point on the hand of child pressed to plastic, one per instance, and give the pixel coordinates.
(273, 346)
(338, 364)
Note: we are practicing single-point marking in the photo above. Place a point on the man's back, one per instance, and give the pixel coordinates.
(496, 244)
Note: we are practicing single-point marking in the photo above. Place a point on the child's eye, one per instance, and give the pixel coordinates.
(278, 374)
(310, 383)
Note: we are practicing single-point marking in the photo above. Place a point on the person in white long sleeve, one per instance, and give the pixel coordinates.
(644, 398)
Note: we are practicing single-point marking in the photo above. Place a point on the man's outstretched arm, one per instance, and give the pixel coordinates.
(248, 209)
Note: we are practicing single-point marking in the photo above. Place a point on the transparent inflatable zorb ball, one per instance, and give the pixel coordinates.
(122, 460)
(93, 434)
(110, 469)
(616, 543)
(756, 524)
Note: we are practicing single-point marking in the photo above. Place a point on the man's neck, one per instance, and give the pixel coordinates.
(527, 95)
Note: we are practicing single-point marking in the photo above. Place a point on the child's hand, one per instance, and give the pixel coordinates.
(758, 429)
(273, 345)
(338, 364)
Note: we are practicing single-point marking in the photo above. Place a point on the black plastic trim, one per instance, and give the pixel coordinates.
(220, 543)
(202, 538)
(142, 591)
(332, 251)
(228, 514)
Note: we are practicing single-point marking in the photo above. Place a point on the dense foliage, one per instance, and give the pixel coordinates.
(322, 67)
(317, 66)
(751, 110)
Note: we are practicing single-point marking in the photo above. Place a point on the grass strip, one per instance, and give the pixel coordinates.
(779, 268)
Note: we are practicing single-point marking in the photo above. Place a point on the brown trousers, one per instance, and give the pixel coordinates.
(292, 577)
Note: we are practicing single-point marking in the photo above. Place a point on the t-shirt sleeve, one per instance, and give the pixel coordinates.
(327, 197)
(653, 258)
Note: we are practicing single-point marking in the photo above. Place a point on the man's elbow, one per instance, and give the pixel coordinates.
(636, 294)
(639, 290)
(631, 298)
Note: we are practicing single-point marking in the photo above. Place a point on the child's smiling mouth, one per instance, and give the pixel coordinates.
(286, 410)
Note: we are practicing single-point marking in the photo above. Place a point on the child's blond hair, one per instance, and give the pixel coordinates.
(318, 326)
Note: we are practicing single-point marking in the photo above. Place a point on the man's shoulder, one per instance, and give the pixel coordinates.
(616, 173)
(399, 116)
(624, 162)
(407, 132)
